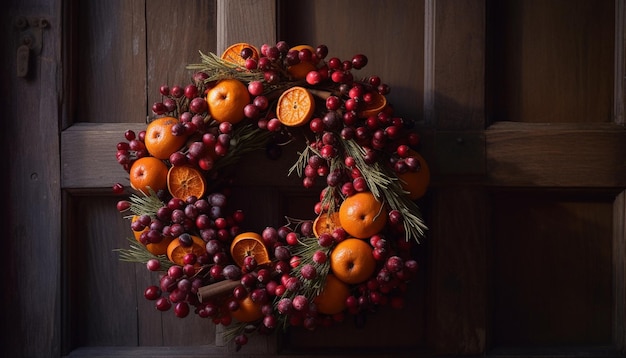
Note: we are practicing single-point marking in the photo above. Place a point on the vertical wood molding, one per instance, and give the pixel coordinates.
(620, 62)
(619, 272)
(252, 21)
(429, 62)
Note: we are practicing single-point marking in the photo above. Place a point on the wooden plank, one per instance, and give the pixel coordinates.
(175, 35)
(458, 271)
(619, 272)
(544, 70)
(31, 294)
(111, 61)
(542, 155)
(252, 21)
(459, 64)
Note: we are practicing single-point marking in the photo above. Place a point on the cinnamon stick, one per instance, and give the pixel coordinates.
(216, 289)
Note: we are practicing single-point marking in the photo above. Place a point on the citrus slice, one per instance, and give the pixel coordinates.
(295, 106)
(233, 53)
(325, 223)
(376, 105)
(185, 181)
(176, 251)
(249, 244)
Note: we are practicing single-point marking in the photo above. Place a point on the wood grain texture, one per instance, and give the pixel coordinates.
(458, 278)
(552, 269)
(175, 35)
(542, 155)
(459, 64)
(252, 21)
(619, 272)
(553, 62)
(30, 300)
(111, 61)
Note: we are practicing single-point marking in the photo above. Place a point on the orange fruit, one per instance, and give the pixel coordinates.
(185, 181)
(227, 100)
(416, 183)
(300, 70)
(148, 172)
(176, 251)
(233, 53)
(332, 298)
(361, 215)
(248, 310)
(160, 141)
(295, 106)
(302, 47)
(378, 103)
(249, 244)
(325, 223)
(157, 248)
(352, 261)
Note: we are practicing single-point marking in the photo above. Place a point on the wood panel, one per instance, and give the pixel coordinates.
(552, 270)
(548, 62)
(110, 75)
(30, 187)
(542, 155)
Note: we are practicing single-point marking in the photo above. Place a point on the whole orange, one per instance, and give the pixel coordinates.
(416, 183)
(155, 249)
(300, 70)
(352, 261)
(361, 215)
(332, 298)
(148, 172)
(160, 141)
(248, 310)
(227, 100)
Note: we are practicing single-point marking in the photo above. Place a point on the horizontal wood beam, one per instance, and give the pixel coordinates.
(528, 154)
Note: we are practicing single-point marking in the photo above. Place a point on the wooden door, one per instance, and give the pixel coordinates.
(521, 109)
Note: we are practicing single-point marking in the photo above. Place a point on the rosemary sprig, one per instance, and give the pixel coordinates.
(139, 254)
(303, 160)
(217, 69)
(305, 250)
(246, 139)
(148, 204)
(386, 186)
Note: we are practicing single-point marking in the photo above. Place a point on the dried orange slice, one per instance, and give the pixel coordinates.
(233, 53)
(378, 103)
(249, 244)
(326, 223)
(176, 251)
(295, 106)
(185, 181)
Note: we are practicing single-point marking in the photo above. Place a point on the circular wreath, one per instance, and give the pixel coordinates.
(355, 254)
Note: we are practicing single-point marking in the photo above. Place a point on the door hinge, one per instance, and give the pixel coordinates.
(30, 41)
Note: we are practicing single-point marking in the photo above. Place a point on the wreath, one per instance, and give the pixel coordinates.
(355, 254)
